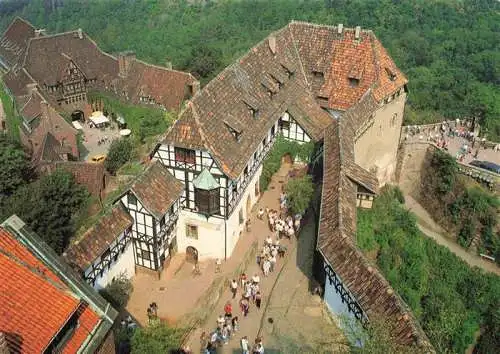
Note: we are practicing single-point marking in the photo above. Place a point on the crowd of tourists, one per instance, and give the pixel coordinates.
(248, 288)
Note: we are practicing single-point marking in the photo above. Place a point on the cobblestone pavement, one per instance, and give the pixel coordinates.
(290, 302)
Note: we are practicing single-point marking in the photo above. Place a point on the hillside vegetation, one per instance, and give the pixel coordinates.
(462, 207)
(450, 299)
(450, 50)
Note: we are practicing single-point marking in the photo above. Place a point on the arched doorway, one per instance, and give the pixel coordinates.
(77, 116)
(191, 254)
(249, 207)
(287, 159)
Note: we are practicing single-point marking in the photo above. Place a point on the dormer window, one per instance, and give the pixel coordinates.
(353, 82)
(234, 130)
(206, 193)
(289, 71)
(390, 74)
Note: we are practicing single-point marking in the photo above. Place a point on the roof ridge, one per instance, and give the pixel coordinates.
(163, 68)
(331, 27)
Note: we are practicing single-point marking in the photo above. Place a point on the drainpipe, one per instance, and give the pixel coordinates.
(225, 239)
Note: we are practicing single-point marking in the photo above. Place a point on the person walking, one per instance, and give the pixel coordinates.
(245, 307)
(266, 267)
(234, 287)
(244, 345)
(228, 310)
(218, 265)
(258, 299)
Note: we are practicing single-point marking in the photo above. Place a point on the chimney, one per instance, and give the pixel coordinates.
(80, 33)
(39, 32)
(358, 32)
(340, 28)
(31, 88)
(196, 87)
(272, 44)
(125, 60)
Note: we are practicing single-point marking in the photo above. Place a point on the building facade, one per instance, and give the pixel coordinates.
(104, 252)
(153, 203)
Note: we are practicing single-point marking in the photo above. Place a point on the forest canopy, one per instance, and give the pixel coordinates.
(450, 50)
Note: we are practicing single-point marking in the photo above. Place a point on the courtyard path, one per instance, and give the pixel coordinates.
(434, 231)
(287, 283)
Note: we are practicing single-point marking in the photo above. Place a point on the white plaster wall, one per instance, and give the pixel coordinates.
(377, 147)
(124, 264)
(210, 242)
(233, 223)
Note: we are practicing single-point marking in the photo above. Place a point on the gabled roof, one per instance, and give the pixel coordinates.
(17, 82)
(31, 109)
(99, 237)
(348, 67)
(157, 189)
(35, 304)
(237, 99)
(166, 86)
(47, 58)
(337, 240)
(15, 40)
(90, 175)
(52, 122)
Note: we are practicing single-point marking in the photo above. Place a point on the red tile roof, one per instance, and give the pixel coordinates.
(34, 303)
(333, 62)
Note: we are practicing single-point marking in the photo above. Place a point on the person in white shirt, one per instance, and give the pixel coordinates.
(256, 279)
(266, 267)
(272, 262)
(234, 287)
(269, 240)
(260, 215)
(244, 345)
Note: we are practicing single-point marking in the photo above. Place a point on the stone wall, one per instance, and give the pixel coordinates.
(376, 149)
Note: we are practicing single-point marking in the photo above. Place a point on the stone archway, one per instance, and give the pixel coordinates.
(191, 254)
(249, 207)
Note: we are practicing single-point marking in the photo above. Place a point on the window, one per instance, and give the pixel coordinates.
(207, 201)
(257, 191)
(273, 130)
(393, 120)
(146, 255)
(241, 216)
(184, 155)
(106, 255)
(162, 222)
(131, 199)
(192, 231)
(353, 82)
(284, 124)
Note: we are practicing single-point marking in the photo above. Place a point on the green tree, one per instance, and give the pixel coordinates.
(299, 193)
(119, 153)
(15, 171)
(118, 291)
(49, 206)
(158, 338)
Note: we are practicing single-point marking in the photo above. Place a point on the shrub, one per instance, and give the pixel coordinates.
(119, 153)
(157, 338)
(281, 147)
(117, 293)
(299, 194)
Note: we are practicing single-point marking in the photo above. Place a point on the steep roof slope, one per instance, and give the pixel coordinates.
(341, 68)
(99, 237)
(47, 58)
(157, 189)
(15, 40)
(35, 304)
(247, 97)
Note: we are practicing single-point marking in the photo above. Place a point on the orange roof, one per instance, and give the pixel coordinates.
(34, 303)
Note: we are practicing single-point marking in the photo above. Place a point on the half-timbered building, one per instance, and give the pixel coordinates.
(153, 202)
(105, 251)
